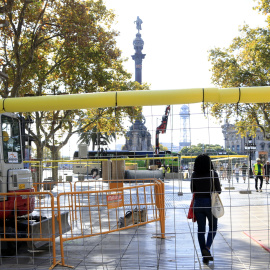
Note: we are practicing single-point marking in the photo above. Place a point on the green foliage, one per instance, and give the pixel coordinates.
(210, 149)
(263, 6)
(46, 153)
(56, 47)
(95, 137)
(245, 63)
(161, 147)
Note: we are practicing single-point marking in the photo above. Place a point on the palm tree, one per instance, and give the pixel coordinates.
(96, 137)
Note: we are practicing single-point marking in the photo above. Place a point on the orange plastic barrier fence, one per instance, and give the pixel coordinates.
(22, 228)
(56, 188)
(100, 212)
(106, 184)
(88, 185)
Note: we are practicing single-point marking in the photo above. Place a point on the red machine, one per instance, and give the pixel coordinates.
(162, 128)
(15, 178)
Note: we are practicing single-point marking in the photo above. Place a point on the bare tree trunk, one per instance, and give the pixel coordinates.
(54, 151)
(39, 167)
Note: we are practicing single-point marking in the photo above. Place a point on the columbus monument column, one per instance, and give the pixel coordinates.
(138, 56)
(138, 138)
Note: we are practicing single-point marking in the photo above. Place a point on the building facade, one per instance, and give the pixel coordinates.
(237, 143)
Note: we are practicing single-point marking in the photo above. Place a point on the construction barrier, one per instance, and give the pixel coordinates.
(125, 205)
(85, 166)
(106, 211)
(55, 188)
(97, 185)
(35, 230)
(89, 185)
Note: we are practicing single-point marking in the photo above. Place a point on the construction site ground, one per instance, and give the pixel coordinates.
(242, 240)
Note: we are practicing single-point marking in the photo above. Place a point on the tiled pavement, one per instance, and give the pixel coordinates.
(242, 232)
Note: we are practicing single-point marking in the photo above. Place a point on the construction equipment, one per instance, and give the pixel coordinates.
(133, 217)
(16, 210)
(161, 129)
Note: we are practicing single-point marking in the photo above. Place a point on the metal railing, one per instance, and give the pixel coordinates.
(34, 233)
(99, 212)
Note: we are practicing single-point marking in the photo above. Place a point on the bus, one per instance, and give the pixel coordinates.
(94, 167)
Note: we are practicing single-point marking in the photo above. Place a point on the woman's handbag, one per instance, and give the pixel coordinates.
(191, 210)
(216, 203)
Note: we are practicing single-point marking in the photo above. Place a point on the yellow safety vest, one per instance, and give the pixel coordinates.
(258, 168)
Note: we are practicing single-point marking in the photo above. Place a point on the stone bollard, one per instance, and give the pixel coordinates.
(48, 184)
(81, 177)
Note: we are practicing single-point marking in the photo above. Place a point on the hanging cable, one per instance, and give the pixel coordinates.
(239, 97)
(203, 103)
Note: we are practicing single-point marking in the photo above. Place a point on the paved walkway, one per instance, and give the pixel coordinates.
(241, 242)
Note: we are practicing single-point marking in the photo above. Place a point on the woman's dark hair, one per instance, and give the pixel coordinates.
(203, 164)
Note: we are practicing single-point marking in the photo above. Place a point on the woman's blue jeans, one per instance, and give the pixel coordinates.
(202, 211)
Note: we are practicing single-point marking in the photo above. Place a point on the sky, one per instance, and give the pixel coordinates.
(177, 35)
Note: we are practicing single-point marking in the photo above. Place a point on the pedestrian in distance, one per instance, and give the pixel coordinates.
(229, 172)
(267, 171)
(244, 171)
(258, 172)
(221, 170)
(225, 173)
(236, 172)
(202, 187)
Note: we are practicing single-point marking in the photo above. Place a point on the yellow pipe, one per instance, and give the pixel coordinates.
(60, 102)
(260, 94)
(83, 161)
(161, 97)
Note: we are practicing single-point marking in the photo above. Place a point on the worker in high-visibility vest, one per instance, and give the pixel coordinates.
(258, 171)
(168, 169)
(163, 170)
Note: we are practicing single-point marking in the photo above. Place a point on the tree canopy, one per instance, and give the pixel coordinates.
(161, 147)
(246, 62)
(56, 47)
(210, 149)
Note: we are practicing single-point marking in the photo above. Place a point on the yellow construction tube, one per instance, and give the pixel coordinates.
(60, 102)
(159, 97)
(259, 94)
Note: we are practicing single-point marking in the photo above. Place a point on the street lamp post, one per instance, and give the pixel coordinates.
(250, 147)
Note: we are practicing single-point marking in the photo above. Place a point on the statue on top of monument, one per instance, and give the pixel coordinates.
(138, 23)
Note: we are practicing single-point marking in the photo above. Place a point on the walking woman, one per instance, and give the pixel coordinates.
(202, 186)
